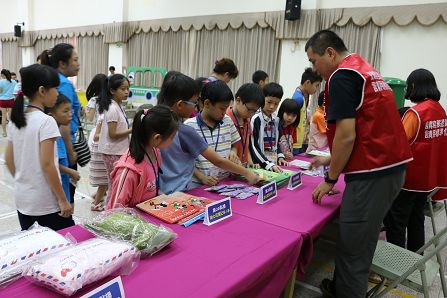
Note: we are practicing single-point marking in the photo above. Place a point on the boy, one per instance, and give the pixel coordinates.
(264, 141)
(61, 112)
(249, 98)
(180, 93)
(317, 132)
(260, 78)
(216, 129)
(310, 81)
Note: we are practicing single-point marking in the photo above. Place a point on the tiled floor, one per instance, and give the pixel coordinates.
(322, 265)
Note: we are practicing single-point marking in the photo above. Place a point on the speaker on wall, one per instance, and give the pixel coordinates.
(293, 10)
(17, 31)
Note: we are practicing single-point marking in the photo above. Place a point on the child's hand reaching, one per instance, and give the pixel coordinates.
(209, 180)
(252, 177)
(253, 165)
(75, 175)
(276, 169)
(288, 155)
(282, 162)
(234, 158)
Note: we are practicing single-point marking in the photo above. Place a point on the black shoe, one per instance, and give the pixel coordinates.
(327, 286)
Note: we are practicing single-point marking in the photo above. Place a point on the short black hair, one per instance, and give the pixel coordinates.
(251, 92)
(258, 76)
(310, 75)
(177, 86)
(421, 84)
(112, 68)
(217, 91)
(273, 90)
(289, 106)
(321, 99)
(60, 100)
(324, 39)
(226, 65)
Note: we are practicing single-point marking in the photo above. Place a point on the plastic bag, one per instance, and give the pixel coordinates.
(124, 224)
(69, 270)
(18, 249)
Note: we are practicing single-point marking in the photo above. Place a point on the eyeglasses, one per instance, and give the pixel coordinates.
(191, 103)
(252, 111)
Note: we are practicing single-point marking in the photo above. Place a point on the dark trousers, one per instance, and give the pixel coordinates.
(406, 217)
(52, 221)
(365, 203)
(72, 187)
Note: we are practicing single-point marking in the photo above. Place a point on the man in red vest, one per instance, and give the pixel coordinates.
(368, 144)
(426, 128)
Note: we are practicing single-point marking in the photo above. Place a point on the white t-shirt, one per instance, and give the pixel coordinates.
(32, 192)
(106, 145)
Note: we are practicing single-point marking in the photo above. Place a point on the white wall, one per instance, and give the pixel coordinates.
(116, 57)
(408, 48)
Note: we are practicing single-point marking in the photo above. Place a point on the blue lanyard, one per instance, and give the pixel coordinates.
(156, 173)
(204, 137)
(35, 107)
(124, 114)
(243, 140)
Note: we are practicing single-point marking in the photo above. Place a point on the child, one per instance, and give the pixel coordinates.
(30, 154)
(61, 112)
(310, 81)
(114, 136)
(216, 129)
(224, 70)
(289, 118)
(98, 172)
(180, 93)
(260, 78)
(7, 85)
(249, 98)
(317, 132)
(137, 172)
(264, 141)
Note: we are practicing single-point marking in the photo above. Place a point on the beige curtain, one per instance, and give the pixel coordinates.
(11, 56)
(93, 56)
(45, 44)
(195, 52)
(364, 40)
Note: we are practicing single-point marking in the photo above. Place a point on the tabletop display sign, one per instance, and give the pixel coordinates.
(111, 289)
(294, 181)
(267, 193)
(217, 211)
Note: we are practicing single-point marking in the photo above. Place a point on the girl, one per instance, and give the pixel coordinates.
(30, 154)
(114, 135)
(136, 174)
(7, 85)
(317, 131)
(289, 118)
(425, 125)
(98, 172)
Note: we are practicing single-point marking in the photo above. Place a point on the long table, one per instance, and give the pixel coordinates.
(293, 210)
(241, 257)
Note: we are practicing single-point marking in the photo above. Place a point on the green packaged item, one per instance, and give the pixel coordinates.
(126, 225)
(269, 176)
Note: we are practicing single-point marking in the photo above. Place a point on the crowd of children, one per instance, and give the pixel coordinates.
(198, 134)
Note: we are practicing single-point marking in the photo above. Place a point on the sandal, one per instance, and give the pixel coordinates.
(98, 207)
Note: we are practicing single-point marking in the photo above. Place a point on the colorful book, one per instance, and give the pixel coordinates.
(269, 176)
(175, 207)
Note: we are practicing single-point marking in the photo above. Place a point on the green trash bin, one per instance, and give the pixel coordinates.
(398, 87)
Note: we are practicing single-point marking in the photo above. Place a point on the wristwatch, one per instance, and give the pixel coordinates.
(329, 180)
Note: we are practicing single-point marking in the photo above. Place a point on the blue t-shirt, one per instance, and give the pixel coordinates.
(66, 88)
(178, 159)
(7, 89)
(63, 160)
(298, 97)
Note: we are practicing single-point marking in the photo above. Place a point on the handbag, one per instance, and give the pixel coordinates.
(81, 148)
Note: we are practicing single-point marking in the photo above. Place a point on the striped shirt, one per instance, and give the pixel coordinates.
(220, 138)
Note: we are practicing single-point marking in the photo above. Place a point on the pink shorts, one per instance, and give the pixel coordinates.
(6, 103)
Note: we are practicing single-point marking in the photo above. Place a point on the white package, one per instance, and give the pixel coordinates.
(17, 250)
(84, 263)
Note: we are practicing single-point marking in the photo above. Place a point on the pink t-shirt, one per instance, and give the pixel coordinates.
(106, 145)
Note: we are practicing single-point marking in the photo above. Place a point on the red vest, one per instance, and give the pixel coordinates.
(428, 169)
(380, 141)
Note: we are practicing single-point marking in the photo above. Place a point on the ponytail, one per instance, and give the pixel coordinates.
(18, 111)
(7, 74)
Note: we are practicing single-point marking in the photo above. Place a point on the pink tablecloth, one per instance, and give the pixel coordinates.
(238, 257)
(293, 210)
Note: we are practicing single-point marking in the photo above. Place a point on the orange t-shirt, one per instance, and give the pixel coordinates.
(318, 120)
(245, 132)
(411, 124)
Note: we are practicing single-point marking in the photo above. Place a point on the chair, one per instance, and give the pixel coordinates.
(405, 267)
